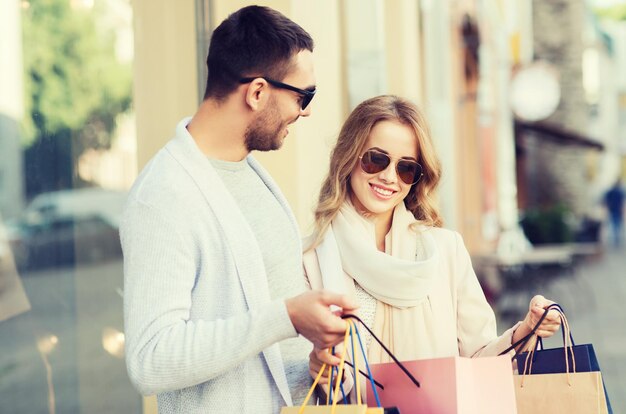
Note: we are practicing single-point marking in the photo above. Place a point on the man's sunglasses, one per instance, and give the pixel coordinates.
(374, 161)
(307, 96)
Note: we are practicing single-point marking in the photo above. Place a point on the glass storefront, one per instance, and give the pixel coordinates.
(67, 159)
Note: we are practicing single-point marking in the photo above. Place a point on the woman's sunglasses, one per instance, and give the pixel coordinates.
(374, 161)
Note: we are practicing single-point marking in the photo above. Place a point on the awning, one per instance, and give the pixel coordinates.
(556, 134)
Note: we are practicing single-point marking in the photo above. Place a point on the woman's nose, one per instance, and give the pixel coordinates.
(389, 174)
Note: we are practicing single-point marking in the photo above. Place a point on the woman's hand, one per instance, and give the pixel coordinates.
(548, 327)
(550, 324)
(317, 357)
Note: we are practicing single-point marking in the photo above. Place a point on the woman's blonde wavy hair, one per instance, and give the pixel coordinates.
(350, 146)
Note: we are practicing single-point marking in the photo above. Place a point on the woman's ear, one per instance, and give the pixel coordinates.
(257, 94)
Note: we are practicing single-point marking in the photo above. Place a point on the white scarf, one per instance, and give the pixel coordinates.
(395, 278)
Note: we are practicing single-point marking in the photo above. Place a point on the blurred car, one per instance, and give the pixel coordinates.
(107, 204)
(68, 227)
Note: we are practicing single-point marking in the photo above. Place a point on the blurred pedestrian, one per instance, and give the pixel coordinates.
(614, 202)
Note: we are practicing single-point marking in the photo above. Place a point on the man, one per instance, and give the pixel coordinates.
(213, 300)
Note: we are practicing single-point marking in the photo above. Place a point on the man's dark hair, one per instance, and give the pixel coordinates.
(253, 41)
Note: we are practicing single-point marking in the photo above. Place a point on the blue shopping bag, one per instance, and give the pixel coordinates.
(552, 361)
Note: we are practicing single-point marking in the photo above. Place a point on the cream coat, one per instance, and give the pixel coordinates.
(455, 320)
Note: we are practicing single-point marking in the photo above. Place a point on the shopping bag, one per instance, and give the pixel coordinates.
(332, 406)
(453, 385)
(442, 385)
(568, 393)
(552, 361)
(561, 380)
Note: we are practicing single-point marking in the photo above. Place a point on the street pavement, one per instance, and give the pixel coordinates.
(593, 295)
(65, 355)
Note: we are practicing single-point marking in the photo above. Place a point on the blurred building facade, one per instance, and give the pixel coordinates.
(610, 116)
(559, 149)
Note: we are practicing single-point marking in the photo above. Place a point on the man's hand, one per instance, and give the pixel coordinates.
(317, 357)
(311, 316)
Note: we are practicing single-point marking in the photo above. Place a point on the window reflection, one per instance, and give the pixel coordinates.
(67, 157)
(113, 342)
(64, 227)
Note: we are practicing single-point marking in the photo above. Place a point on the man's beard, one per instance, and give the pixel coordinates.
(264, 133)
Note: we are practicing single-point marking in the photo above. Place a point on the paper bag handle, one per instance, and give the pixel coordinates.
(334, 395)
(524, 341)
(566, 348)
(402, 367)
(321, 371)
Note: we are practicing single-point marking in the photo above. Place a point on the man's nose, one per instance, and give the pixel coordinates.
(306, 111)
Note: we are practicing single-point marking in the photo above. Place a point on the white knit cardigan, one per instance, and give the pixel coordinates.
(201, 329)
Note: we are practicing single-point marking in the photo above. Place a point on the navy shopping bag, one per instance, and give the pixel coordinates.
(552, 361)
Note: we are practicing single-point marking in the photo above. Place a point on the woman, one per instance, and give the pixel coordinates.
(378, 236)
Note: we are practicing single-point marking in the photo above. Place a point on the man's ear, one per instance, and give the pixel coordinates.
(257, 94)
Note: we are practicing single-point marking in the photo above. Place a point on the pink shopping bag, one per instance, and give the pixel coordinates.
(453, 385)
